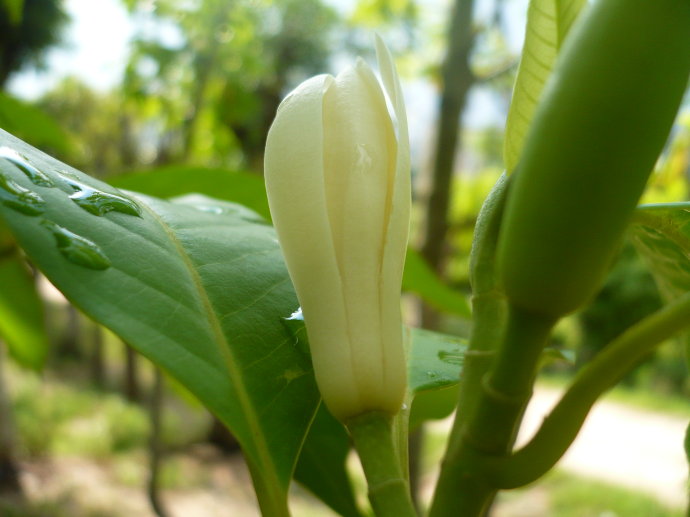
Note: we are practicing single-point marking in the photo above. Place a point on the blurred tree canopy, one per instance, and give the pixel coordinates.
(214, 72)
(27, 29)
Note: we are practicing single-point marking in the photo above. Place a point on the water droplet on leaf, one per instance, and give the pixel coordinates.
(209, 209)
(22, 163)
(76, 248)
(98, 202)
(19, 198)
(454, 358)
(297, 315)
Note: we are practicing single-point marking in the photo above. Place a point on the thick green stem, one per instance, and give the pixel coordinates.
(490, 430)
(488, 314)
(488, 302)
(561, 427)
(389, 493)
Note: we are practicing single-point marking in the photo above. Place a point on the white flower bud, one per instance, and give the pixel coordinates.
(338, 183)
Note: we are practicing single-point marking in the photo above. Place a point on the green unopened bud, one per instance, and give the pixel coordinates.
(338, 183)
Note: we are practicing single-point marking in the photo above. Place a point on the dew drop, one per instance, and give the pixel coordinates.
(431, 374)
(76, 248)
(98, 202)
(18, 198)
(297, 315)
(454, 358)
(22, 163)
(209, 209)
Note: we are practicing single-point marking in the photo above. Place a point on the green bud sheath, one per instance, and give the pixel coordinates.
(605, 115)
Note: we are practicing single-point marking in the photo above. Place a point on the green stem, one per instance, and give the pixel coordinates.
(463, 489)
(488, 302)
(389, 493)
(560, 428)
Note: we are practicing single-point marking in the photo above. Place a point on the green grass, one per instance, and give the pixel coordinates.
(67, 417)
(573, 496)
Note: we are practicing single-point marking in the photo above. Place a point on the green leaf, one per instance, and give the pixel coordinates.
(435, 360)
(22, 324)
(249, 190)
(175, 180)
(548, 23)
(322, 464)
(197, 285)
(661, 234)
(32, 124)
(433, 405)
(419, 278)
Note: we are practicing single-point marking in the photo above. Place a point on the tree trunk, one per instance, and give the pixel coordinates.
(9, 471)
(68, 346)
(155, 444)
(132, 386)
(97, 360)
(457, 79)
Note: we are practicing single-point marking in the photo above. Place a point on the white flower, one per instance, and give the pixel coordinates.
(338, 181)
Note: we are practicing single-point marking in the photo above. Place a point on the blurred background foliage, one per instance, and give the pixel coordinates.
(190, 111)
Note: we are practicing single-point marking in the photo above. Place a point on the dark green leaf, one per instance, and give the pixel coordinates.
(418, 278)
(175, 180)
(22, 325)
(321, 467)
(661, 234)
(433, 405)
(197, 285)
(435, 360)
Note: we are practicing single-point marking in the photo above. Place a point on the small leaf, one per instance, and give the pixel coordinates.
(661, 234)
(418, 278)
(548, 22)
(433, 405)
(435, 360)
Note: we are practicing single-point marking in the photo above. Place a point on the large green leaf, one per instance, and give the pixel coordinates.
(197, 285)
(548, 22)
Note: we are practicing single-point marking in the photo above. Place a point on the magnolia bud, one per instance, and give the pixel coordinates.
(338, 183)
